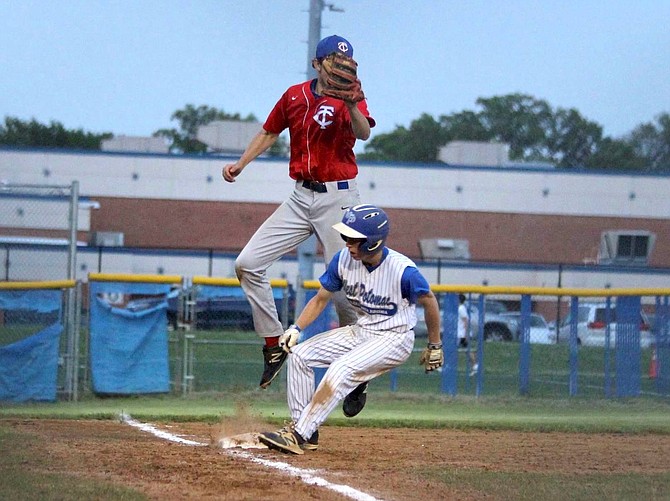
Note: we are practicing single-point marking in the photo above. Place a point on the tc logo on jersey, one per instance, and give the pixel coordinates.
(324, 115)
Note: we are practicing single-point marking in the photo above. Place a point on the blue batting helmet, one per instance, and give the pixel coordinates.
(367, 222)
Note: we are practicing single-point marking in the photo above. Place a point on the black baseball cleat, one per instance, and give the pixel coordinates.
(274, 357)
(312, 443)
(355, 401)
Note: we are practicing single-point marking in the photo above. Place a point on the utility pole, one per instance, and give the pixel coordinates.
(307, 249)
(313, 34)
(316, 7)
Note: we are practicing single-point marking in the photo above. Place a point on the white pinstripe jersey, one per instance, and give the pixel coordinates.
(376, 295)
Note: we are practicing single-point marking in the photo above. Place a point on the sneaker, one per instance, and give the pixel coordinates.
(284, 440)
(474, 369)
(274, 358)
(355, 401)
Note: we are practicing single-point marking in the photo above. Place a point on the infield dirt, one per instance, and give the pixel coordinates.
(387, 464)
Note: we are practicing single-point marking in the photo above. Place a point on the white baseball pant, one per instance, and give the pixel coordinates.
(352, 355)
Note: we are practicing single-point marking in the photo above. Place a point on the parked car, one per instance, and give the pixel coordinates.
(220, 312)
(496, 326)
(539, 329)
(591, 323)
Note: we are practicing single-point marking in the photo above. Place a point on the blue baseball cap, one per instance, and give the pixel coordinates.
(334, 43)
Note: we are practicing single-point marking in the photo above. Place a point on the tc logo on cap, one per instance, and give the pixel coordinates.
(334, 43)
(342, 46)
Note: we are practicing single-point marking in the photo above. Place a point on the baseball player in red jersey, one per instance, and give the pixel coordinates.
(323, 131)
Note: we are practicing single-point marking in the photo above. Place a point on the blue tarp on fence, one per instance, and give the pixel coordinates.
(129, 340)
(29, 367)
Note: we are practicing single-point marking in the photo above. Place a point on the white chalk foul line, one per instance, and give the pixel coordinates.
(307, 476)
(159, 433)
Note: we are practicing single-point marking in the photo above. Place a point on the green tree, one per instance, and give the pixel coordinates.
(518, 120)
(570, 139)
(534, 131)
(183, 139)
(17, 132)
(464, 126)
(419, 143)
(615, 154)
(651, 141)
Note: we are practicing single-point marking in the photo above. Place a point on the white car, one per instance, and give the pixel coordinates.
(539, 330)
(591, 323)
(497, 327)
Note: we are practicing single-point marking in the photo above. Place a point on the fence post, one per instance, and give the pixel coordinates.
(574, 346)
(71, 329)
(662, 345)
(77, 335)
(524, 345)
(627, 346)
(480, 344)
(189, 362)
(450, 343)
(284, 307)
(608, 334)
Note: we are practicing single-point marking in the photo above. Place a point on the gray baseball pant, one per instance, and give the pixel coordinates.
(304, 213)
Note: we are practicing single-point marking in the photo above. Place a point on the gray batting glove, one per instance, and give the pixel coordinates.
(290, 338)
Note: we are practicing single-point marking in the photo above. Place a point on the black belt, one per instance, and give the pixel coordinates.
(322, 188)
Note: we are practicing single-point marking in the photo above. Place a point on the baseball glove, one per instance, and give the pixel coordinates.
(432, 357)
(342, 81)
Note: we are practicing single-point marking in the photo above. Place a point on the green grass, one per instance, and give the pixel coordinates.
(532, 486)
(384, 409)
(27, 473)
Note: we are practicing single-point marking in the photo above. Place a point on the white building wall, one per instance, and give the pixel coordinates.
(437, 187)
(505, 190)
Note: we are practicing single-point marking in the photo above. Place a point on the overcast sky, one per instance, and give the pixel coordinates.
(125, 66)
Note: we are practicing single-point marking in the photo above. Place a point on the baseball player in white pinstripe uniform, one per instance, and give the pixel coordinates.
(384, 287)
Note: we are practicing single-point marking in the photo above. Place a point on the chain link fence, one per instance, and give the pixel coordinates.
(39, 298)
(38, 225)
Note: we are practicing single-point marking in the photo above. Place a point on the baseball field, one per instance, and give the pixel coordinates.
(402, 447)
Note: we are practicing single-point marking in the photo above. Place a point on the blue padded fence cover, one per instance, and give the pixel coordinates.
(129, 346)
(627, 346)
(212, 291)
(29, 367)
(42, 301)
(449, 383)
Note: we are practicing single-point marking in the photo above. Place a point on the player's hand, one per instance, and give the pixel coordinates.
(290, 338)
(432, 357)
(230, 172)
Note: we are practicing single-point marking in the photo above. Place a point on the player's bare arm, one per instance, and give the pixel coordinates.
(359, 124)
(313, 308)
(259, 144)
(432, 309)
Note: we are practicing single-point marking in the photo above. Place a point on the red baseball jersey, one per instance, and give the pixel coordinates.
(322, 140)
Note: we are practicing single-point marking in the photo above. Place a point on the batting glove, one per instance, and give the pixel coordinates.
(290, 338)
(432, 357)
